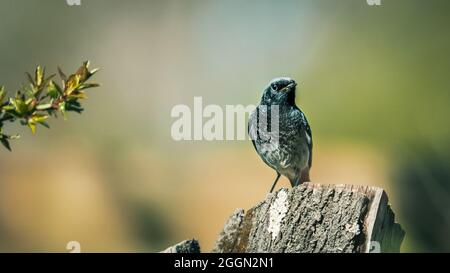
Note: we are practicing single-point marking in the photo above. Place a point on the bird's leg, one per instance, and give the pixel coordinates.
(275, 182)
(297, 182)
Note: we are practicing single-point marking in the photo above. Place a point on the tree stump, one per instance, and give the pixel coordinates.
(315, 218)
(188, 246)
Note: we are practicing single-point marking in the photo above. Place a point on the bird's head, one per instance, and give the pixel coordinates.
(280, 91)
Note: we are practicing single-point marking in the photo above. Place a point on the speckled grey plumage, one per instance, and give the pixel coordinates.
(291, 155)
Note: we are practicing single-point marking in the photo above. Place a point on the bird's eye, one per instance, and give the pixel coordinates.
(274, 87)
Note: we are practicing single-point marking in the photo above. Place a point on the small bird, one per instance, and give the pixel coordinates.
(287, 147)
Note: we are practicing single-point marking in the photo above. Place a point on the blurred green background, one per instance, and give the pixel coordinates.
(374, 83)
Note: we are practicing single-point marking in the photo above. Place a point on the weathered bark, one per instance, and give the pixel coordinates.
(315, 218)
(188, 246)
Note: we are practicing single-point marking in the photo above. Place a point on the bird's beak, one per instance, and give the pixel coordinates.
(289, 87)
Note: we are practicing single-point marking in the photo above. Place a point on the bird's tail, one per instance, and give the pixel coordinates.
(304, 177)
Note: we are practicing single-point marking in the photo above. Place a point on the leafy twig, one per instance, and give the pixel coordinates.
(32, 105)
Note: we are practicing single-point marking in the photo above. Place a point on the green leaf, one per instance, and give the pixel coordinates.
(72, 84)
(61, 74)
(20, 106)
(48, 79)
(39, 76)
(83, 71)
(5, 143)
(45, 124)
(44, 106)
(87, 86)
(4, 139)
(31, 104)
(74, 106)
(13, 137)
(53, 90)
(37, 118)
(8, 107)
(62, 109)
(38, 91)
(2, 94)
(32, 126)
(30, 78)
(95, 70)
(77, 95)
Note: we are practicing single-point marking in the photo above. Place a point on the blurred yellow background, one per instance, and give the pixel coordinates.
(373, 82)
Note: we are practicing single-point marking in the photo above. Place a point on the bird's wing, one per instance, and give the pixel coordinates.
(252, 127)
(304, 126)
(309, 139)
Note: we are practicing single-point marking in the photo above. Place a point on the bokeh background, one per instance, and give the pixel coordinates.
(374, 83)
